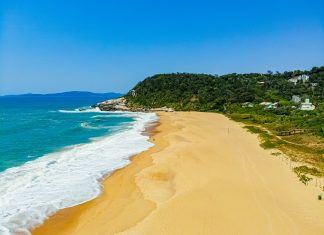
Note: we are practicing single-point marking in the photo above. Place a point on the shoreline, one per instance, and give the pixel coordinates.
(193, 173)
(71, 176)
(60, 219)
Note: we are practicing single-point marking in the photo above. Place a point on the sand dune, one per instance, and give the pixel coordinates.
(205, 175)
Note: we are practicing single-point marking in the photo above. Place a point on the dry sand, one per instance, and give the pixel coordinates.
(205, 175)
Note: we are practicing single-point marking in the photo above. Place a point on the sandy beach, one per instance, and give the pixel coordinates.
(205, 175)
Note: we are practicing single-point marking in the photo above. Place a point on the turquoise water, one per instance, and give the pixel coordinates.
(53, 155)
(32, 127)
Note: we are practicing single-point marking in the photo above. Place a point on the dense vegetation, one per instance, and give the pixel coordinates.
(228, 93)
(201, 92)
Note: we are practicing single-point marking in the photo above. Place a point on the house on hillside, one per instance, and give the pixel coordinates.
(307, 105)
(293, 80)
(313, 85)
(303, 78)
(247, 105)
(269, 105)
(295, 99)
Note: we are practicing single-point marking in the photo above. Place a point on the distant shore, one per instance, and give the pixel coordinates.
(204, 175)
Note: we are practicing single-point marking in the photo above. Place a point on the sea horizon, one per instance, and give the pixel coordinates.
(162, 118)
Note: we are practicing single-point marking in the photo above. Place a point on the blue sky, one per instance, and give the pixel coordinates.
(101, 46)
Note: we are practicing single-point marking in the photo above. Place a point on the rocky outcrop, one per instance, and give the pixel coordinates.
(113, 105)
(120, 104)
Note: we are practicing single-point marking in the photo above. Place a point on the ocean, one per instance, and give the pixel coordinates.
(54, 151)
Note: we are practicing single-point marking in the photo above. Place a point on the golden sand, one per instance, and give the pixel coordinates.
(205, 175)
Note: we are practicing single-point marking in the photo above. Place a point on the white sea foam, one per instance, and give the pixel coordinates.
(37, 189)
(112, 115)
(89, 110)
(86, 125)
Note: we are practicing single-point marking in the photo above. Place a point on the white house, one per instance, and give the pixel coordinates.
(307, 105)
(293, 80)
(247, 105)
(269, 105)
(313, 85)
(295, 99)
(303, 77)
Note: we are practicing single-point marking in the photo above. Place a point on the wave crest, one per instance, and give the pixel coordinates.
(81, 110)
(39, 188)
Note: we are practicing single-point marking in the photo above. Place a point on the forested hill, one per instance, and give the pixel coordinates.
(238, 96)
(202, 92)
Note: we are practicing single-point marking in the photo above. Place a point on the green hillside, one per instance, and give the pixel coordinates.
(229, 94)
(202, 92)
(239, 96)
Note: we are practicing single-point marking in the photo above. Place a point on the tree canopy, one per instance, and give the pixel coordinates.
(203, 92)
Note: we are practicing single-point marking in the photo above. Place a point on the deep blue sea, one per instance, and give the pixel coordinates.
(53, 152)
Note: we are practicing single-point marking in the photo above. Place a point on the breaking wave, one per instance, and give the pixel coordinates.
(33, 191)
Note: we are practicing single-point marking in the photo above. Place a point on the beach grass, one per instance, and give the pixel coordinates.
(268, 141)
(303, 148)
